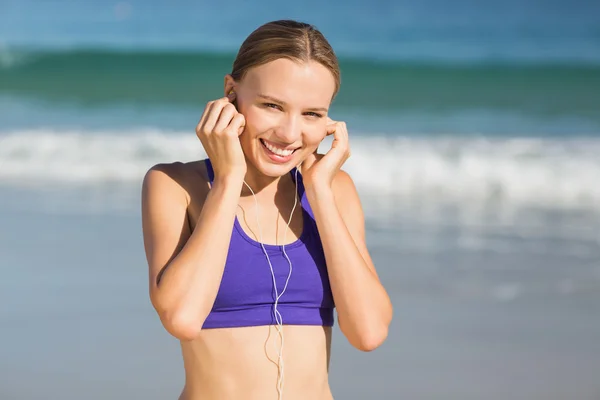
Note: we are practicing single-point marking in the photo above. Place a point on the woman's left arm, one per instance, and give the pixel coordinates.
(363, 305)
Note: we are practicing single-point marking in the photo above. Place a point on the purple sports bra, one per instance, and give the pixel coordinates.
(246, 295)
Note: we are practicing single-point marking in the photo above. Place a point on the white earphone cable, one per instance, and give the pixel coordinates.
(276, 313)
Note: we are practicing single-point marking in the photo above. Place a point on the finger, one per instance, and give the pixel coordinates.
(225, 117)
(342, 131)
(237, 124)
(331, 127)
(214, 113)
(204, 116)
(340, 137)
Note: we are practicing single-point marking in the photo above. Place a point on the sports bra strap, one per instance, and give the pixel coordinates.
(209, 171)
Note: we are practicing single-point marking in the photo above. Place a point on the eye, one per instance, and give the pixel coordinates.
(314, 114)
(271, 105)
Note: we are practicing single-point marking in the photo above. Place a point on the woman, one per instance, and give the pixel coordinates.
(250, 249)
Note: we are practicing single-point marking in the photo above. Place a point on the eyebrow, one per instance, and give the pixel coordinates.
(276, 100)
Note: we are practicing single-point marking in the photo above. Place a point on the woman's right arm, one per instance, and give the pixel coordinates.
(186, 267)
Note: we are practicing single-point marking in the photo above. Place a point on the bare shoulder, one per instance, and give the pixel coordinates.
(345, 192)
(343, 183)
(169, 192)
(177, 180)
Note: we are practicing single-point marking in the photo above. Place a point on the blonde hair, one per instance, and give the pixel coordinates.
(296, 41)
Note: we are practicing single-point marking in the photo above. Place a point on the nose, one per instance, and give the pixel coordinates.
(290, 129)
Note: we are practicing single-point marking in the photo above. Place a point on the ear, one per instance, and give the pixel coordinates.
(230, 84)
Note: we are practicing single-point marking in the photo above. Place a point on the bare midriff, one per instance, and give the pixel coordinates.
(241, 363)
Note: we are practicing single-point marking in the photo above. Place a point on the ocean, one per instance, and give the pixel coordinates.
(475, 136)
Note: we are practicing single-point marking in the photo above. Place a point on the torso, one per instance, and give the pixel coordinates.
(241, 362)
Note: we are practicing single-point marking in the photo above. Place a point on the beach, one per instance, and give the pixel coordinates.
(469, 324)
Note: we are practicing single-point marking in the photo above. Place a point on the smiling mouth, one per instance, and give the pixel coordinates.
(277, 151)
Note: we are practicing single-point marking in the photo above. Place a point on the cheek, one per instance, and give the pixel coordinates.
(257, 121)
(314, 135)
(255, 126)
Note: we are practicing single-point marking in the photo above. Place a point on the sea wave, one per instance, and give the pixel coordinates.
(551, 173)
(180, 78)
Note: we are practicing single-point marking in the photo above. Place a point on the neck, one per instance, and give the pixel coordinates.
(260, 183)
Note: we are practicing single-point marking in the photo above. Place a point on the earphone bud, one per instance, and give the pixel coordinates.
(234, 101)
(276, 313)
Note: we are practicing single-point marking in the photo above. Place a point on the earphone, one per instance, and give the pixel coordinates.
(276, 313)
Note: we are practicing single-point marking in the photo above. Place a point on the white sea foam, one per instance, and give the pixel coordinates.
(532, 172)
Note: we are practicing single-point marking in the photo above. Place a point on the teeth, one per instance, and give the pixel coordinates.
(279, 152)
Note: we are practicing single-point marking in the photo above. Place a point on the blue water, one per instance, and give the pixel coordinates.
(512, 68)
(464, 30)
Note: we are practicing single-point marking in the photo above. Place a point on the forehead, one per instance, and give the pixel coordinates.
(293, 81)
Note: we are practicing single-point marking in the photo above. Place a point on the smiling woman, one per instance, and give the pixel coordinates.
(285, 104)
(261, 240)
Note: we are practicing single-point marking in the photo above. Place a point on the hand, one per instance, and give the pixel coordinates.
(319, 171)
(219, 129)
